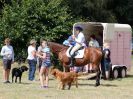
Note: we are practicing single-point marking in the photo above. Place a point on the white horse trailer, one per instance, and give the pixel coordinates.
(119, 38)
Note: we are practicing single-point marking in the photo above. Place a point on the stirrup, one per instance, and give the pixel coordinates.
(71, 65)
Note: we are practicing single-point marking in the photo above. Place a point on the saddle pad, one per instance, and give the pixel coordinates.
(79, 53)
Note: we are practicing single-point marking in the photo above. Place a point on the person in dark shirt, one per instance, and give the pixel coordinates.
(106, 60)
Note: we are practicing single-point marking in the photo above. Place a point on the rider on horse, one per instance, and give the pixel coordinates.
(79, 38)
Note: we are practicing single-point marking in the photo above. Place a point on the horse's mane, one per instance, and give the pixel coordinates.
(56, 47)
(56, 44)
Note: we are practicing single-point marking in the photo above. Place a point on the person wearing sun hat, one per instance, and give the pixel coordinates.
(32, 59)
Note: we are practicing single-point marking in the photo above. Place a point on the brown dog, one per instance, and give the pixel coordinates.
(65, 78)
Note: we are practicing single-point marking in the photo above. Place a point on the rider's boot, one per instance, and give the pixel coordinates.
(72, 61)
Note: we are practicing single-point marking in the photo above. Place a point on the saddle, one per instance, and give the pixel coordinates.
(78, 54)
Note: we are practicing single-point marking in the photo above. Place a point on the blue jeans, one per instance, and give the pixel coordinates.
(107, 65)
(78, 69)
(32, 69)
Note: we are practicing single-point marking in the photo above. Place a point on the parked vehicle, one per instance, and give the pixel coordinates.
(132, 46)
(119, 37)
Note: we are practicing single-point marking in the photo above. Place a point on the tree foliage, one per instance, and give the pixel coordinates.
(22, 21)
(103, 10)
(123, 11)
(92, 10)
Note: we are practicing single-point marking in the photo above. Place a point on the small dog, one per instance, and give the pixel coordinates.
(17, 72)
(65, 78)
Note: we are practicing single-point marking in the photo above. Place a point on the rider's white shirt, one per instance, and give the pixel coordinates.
(80, 39)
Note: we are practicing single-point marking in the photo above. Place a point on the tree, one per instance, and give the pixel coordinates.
(123, 10)
(27, 19)
(92, 10)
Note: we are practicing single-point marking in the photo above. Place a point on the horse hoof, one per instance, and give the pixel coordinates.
(97, 84)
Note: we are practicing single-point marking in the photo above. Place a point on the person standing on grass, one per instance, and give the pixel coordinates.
(32, 59)
(8, 58)
(106, 60)
(46, 63)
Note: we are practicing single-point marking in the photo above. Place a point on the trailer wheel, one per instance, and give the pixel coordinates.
(115, 73)
(123, 72)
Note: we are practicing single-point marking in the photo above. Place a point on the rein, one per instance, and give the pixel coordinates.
(56, 48)
(60, 50)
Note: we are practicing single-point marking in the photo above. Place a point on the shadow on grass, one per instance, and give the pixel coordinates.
(23, 83)
(129, 76)
(105, 85)
(109, 85)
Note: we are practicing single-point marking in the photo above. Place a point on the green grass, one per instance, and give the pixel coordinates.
(116, 89)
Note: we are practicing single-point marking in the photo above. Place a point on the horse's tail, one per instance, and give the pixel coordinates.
(81, 74)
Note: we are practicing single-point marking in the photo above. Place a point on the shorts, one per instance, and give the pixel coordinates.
(107, 66)
(7, 63)
(46, 64)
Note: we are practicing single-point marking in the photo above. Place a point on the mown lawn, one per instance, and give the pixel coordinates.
(116, 89)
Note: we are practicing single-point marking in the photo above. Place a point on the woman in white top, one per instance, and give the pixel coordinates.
(32, 59)
(8, 58)
(79, 38)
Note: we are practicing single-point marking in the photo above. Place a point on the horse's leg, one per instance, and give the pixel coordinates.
(98, 77)
(66, 68)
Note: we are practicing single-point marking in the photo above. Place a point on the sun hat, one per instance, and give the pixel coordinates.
(33, 41)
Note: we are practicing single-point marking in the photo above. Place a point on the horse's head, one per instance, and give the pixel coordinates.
(55, 47)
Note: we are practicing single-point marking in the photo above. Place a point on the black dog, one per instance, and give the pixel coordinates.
(17, 72)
